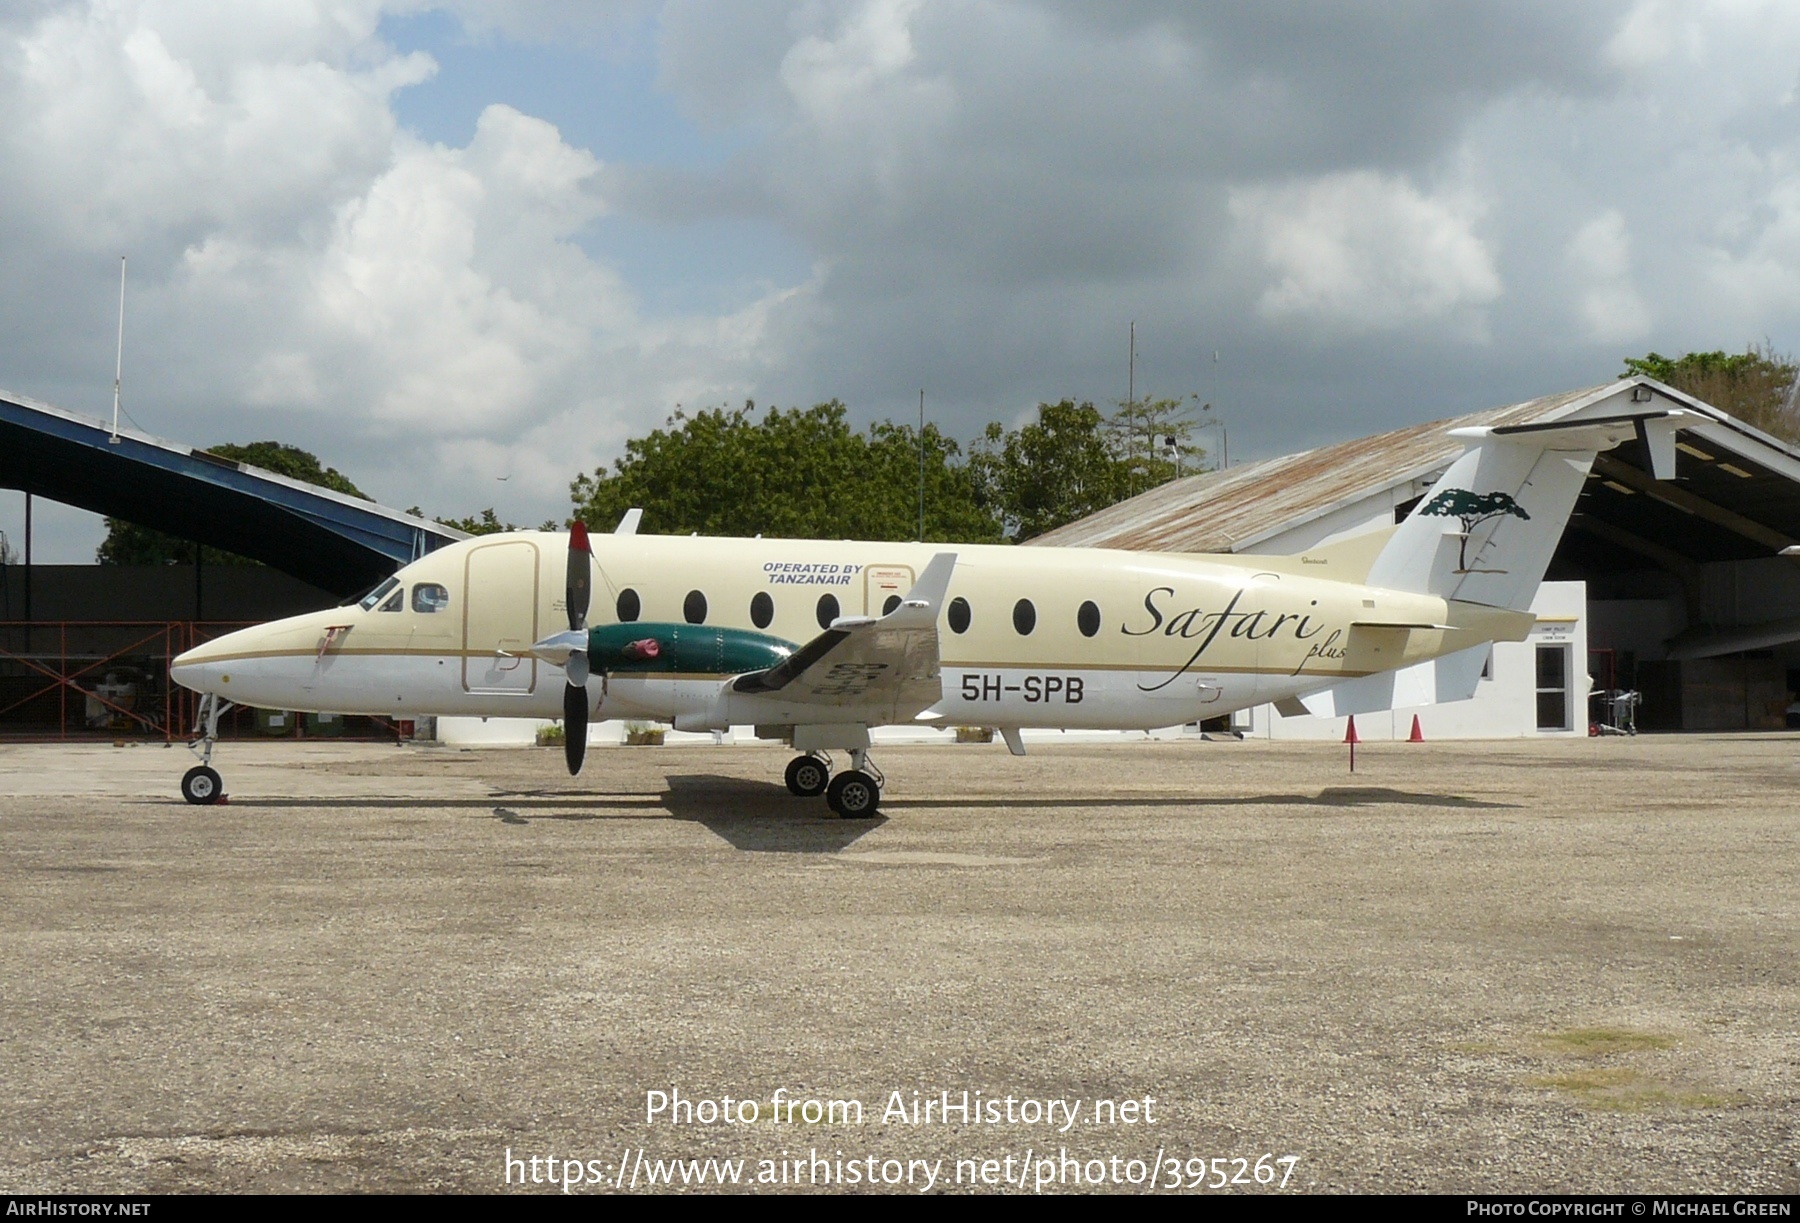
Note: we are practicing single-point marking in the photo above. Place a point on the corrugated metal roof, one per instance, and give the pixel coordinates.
(1227, 511)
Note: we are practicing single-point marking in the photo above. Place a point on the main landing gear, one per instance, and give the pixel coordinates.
(201, 785)
(854, 795)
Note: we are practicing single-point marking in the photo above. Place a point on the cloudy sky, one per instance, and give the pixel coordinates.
(463, 250)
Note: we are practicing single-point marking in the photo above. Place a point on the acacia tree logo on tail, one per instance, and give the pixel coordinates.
(1474, 509)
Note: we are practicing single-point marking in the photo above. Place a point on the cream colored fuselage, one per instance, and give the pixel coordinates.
(1175, 637)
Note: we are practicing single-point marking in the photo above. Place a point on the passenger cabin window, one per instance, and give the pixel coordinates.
(374, 597)
(693, 608)
(430, 597)
(828, 610)
(1024, 617)
(1087, 618)
(887, 608)
(629, 608)
(959, 615)
(762, 609)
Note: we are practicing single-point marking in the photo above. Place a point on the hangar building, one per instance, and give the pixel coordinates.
(1678, 589)
(85, 646)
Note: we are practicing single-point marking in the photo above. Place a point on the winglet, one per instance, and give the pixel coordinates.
(926, 599)
(628, 525)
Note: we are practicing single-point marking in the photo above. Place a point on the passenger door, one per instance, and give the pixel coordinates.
(500, 618)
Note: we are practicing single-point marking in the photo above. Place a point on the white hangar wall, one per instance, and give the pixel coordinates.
(1533, 688)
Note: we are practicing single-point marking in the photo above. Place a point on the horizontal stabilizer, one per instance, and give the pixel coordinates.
(1439, 681)
(1486, 531)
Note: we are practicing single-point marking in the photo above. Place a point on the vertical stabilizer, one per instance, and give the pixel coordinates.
(1487, 530)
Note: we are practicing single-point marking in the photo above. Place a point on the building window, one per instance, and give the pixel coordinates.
(762, 609)
(1024, 617)
(629, 608)
(1553, 687)
(959, 615)
(693, 608)
(1087, 618)
(430, 597)
(828, 610)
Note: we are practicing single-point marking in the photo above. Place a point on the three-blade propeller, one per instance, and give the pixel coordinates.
(575, 695)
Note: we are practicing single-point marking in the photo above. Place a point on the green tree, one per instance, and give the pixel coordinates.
(1472, 509)
(127, 543)
(1063, 466)
(1154, 441)
(1757, 385)
(799, 473)
(485, 523)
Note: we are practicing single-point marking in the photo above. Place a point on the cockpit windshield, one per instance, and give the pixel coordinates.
(378, 594)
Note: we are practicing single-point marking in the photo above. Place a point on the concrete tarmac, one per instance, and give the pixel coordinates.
(1470, 967)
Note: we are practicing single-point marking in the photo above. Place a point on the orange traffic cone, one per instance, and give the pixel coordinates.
(1417, 736)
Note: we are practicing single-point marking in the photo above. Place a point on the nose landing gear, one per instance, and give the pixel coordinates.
(201, 785)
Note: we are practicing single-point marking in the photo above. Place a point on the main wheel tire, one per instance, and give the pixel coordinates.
(854, 795)
(807, 776)
(202, 786)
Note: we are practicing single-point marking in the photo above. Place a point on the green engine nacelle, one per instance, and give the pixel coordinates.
(621, 649)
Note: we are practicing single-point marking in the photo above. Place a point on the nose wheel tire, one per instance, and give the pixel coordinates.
(202, 786)
(807, 776)
(853, 795)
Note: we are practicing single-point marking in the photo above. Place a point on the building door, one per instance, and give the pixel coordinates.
(1553, 688)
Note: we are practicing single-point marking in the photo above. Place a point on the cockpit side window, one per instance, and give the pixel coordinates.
(430, 597)
(378, 594)
(395, 601)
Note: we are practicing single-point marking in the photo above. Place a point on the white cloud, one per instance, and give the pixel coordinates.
(1608, 303)
(1366, 252)
(987, 192)
(832, 77)
(1758, 277)
(303, 268)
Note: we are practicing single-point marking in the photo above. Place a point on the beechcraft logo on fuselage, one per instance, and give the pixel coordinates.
(1473, 509)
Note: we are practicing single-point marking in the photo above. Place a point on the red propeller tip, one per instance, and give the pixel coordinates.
(578, 540)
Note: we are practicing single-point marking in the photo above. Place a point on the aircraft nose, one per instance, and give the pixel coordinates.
(194, 671)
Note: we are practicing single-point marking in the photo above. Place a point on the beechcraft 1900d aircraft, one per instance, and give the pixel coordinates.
(815, 642)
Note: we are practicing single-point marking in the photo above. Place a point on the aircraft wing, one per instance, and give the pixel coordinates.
(867, 668)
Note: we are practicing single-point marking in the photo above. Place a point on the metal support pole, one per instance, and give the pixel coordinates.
(28, 568)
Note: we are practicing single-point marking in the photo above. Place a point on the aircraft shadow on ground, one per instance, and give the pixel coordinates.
(1331, 796)
(760, 816)
(757, 816)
